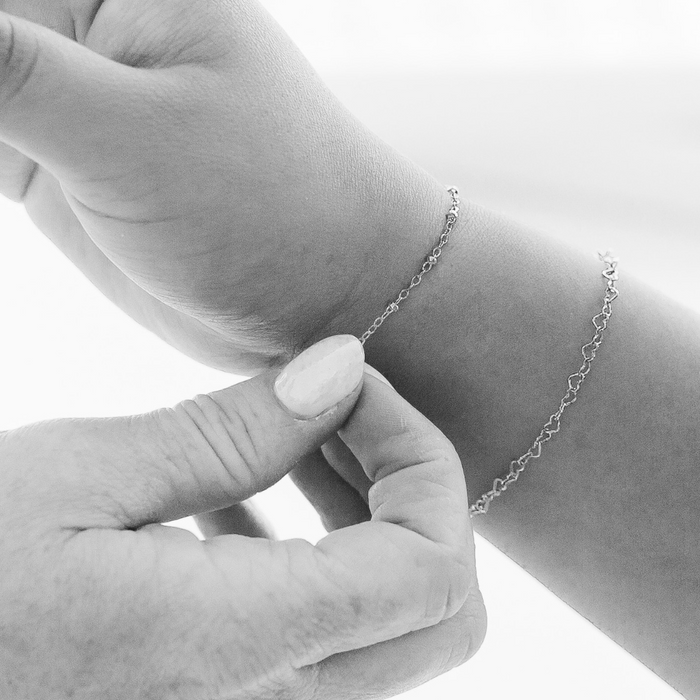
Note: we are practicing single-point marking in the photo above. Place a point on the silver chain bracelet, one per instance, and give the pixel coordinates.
(574, 381)
(428, 264)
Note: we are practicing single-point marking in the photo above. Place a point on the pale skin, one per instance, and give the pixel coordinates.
(607, 518)
(99, 600)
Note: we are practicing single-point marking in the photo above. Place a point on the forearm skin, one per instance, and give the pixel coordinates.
(609, 517)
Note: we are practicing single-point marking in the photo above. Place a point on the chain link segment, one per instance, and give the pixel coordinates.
(428, 264)
(574, 383)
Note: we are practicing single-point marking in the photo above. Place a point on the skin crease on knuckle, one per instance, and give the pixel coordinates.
(222, 437)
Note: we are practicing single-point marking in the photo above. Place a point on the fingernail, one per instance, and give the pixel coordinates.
(374, 373)
(321, 376)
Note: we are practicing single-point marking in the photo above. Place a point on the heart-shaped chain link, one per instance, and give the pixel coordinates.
(574, 383)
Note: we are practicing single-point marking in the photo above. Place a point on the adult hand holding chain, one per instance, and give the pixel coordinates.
(102, 601)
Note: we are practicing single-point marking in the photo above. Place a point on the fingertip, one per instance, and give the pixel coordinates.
(322, 376)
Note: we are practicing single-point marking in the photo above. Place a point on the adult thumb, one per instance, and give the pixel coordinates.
(58, 100)
(202, 455)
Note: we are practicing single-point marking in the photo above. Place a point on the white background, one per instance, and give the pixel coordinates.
(580, 118)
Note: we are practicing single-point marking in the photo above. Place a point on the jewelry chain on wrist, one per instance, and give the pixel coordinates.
(428, 264)
(574, 381)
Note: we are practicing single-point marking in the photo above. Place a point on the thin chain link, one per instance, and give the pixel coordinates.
(428, 264)
(575, 381)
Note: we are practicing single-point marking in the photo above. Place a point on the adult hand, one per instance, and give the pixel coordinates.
(101, 601)
(187, 158)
